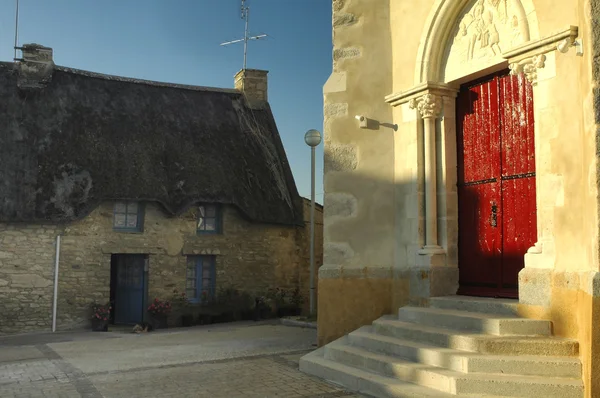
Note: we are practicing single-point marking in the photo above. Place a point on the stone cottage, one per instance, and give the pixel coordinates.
(461, 228)
(132, 189)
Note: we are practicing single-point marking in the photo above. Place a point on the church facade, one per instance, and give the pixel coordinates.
(461, 144)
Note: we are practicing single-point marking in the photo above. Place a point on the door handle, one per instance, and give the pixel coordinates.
(494, 221)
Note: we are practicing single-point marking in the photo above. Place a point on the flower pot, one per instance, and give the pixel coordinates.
(265, 313)
(187, 320)
(158, 321)
(282, 312)
(247, 315)
(99, 325)
(295, 311)
(205, 319)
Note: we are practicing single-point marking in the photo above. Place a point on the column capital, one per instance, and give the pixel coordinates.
(428, 105)
(529, 67)
(418, 91)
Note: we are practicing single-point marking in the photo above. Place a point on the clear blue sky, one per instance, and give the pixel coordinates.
(178, 41)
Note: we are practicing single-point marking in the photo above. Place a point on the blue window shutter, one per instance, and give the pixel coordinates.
(199, 266)
(141, 212)
(213, 274)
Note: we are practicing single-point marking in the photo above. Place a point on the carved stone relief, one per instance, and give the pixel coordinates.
(486, 29)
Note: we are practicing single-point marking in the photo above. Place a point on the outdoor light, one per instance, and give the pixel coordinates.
(312, 139)
(564, 45)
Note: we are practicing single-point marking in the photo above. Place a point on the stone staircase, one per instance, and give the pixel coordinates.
(459, 346)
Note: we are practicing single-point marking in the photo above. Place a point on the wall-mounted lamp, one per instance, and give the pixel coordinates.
(363, 122)
(569, 42)
(371, 124)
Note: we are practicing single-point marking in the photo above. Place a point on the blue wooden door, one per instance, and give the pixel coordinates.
(129, 294)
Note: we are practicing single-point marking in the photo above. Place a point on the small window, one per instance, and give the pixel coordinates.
(209, 219)
(200, 278)
(128, 216)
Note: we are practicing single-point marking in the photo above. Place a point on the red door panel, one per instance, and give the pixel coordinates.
(519, 230)
(480, 264)
(479, 133)
(496, 183)
(479, 187)
(518, 148)
(518, 176)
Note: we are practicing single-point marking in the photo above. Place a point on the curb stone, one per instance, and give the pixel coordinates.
(294, 322)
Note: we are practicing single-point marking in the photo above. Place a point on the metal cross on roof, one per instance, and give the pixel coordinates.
(245, 12)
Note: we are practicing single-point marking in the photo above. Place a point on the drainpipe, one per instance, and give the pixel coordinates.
(54, 304)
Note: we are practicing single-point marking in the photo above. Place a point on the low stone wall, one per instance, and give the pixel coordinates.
(351, 298)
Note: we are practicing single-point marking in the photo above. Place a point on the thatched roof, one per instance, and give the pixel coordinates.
(82, 138)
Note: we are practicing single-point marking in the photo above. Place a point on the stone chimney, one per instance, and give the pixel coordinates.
(36, 66)
(253, 83)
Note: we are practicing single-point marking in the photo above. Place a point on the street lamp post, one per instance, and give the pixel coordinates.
(312, 139)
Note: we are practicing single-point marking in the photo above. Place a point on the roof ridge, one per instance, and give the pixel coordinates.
(144, 81)
(155, 83)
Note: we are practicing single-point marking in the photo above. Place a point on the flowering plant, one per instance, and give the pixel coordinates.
(278, 295)
(159, 307)
(296, 298)
(204, 297)
(179, 299)
(101, 312)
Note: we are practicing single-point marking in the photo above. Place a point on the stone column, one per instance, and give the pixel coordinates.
(430, 107)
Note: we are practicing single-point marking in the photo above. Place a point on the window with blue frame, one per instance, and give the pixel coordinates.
(209, 219)
(200, 278)
(128, 217)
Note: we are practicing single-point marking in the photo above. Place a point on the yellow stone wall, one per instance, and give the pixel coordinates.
(374, 195)
(358, 228)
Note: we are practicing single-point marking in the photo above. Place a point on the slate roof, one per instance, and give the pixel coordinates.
(85, 138)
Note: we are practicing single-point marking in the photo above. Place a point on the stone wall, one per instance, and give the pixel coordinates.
(26, 276)
(250, 257)
(354, 281)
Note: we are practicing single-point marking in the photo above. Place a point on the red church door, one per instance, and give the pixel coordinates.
(496, 183)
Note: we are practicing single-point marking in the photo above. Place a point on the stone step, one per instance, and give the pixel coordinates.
(483, 305)
(364, 382)
(500, 325)
(461, 361)
(501, 345)
(452, 382)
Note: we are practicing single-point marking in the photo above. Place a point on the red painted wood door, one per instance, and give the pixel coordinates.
(496, 183)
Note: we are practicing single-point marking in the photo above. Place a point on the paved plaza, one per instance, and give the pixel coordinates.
(229, 360)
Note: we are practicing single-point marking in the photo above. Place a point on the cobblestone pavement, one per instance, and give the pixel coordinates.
(223, 361)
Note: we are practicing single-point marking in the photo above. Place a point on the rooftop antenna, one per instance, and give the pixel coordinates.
(245, 13)
(16, 31)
